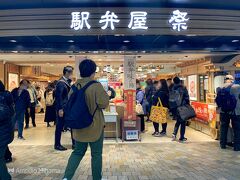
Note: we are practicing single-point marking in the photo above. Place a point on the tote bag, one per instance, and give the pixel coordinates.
(159, 114)
(139, 109)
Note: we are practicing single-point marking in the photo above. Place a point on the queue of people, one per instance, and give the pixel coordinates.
(156, 91)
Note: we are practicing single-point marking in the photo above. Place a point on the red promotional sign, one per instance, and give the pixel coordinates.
(130, 104)
(201, 110)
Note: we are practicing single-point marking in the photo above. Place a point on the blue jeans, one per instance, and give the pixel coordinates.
(78, 154)
(19, 119)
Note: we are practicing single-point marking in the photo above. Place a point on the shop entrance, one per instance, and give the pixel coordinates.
(42, 69)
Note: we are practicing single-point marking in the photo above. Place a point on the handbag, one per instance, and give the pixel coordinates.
(159, 114)
(139, 109)
(186, 112)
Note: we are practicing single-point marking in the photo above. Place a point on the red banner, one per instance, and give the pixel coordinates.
(201, 110)
(205, 113)
(130, 104)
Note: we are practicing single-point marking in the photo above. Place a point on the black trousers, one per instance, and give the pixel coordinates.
(142, 122)
(31, 114)
(8, 154)
(156, 127)
(182, 129)
(58, 131)
(224, 125)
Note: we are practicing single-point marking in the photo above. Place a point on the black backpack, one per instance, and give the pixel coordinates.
(225, 100)
(6, 112)
(175, 98)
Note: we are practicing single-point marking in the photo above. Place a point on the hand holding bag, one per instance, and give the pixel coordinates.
(139, 109)
(159, 114)
(186, 112)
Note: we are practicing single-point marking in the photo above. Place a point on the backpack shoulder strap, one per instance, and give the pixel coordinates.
(88, 85)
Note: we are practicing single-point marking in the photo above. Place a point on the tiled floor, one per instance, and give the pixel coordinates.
(154, 158)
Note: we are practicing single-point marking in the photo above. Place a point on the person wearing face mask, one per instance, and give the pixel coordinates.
(61, 97)
(22, 103)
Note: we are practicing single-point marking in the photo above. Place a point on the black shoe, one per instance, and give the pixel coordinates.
(223, 147)
(60, 148)
(26, 127)
(183, 139)
(34, 125)
(21, 138)
(163, 133)
(8, 160)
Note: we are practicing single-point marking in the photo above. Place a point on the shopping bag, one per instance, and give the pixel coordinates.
(139, 109)
(159, 114)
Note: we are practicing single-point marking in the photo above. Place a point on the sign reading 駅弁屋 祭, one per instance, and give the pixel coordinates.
(138, 20)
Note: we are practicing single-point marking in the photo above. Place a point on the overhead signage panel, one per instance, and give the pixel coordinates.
(138, 20)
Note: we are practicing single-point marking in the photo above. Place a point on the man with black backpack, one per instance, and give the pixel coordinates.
(84, 115)
(178, 96)
(61, 97)
(229, 103)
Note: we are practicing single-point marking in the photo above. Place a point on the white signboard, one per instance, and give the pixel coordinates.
(192, 87)
(129, 67)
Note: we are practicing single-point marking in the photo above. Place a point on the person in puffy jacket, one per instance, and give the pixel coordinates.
(6, 132)
(162, 94)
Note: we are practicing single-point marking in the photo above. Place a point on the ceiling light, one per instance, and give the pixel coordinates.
(126, 41)
(191, 35)
(181, 41)
(235, 40)
(70, 41)
(13, 41)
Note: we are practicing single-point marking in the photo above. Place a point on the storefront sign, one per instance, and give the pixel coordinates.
(137, 21)
(179, 20)
(12, 81)
(129, 104)
(205, 113)
(192, 87)
(129, 73)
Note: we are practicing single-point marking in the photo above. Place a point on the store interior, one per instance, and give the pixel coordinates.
(41, 68)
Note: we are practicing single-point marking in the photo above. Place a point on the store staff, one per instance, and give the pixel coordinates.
(61, 97)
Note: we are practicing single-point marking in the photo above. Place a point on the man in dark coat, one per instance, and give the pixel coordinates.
(22, 103)
(61, 97)
(6, 130)
(185, 100)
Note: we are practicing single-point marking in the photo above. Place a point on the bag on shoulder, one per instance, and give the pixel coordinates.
(6, 112)
(225, 100)
(49, 99)
(175, 99)
(76, 112)
(186, 112)
(139, 109)
(159, 114)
